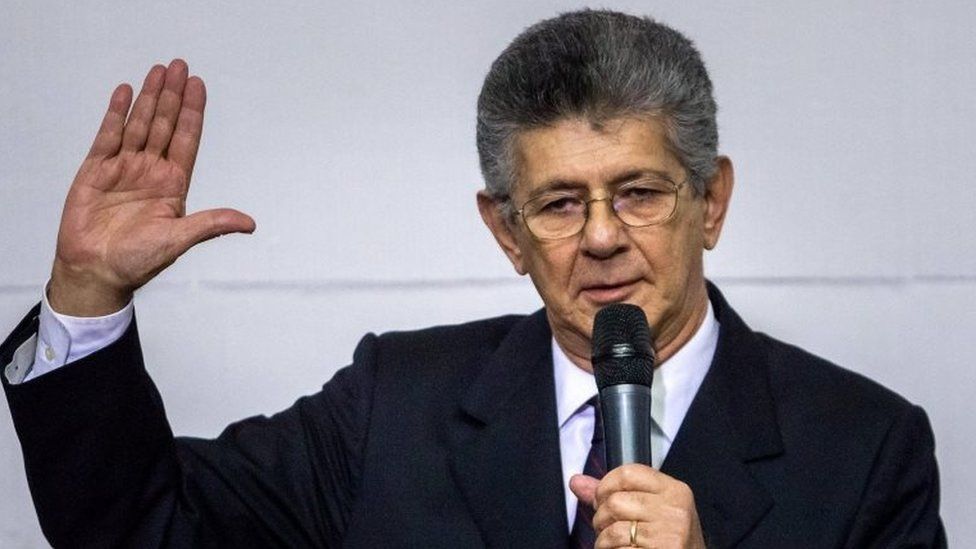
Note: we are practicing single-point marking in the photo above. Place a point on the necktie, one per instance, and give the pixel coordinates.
(583, 535)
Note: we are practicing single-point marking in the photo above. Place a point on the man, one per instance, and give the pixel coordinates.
(597, 140)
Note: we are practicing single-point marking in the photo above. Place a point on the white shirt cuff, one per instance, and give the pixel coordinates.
(63, 339)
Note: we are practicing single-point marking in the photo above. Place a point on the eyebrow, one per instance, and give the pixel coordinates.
(626, 177)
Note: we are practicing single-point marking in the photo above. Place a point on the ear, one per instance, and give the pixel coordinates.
(502, 229)
(718, 193)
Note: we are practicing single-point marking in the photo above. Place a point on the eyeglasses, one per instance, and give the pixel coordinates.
(561, 214)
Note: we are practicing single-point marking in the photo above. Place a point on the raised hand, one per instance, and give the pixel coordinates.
(124, 219)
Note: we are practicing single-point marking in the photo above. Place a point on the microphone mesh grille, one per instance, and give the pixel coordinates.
(622, 348)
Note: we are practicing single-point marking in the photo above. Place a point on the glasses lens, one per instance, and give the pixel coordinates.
(555, 215)
(647, 202)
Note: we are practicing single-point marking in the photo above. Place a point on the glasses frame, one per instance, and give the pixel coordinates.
(676, 188)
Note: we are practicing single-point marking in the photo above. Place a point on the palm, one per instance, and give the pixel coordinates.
(125, 208)
(124, 219)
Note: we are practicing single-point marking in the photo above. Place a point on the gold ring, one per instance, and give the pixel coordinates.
(633, 534)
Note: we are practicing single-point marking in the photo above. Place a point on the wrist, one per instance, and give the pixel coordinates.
(75, 292)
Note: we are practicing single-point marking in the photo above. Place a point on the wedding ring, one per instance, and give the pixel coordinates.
(633, 534)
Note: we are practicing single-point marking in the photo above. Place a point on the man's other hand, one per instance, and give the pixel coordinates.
(662, 507)
(124, 219)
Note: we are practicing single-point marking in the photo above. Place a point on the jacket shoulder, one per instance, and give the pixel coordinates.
(847, 413)
(456, 351)
(439, 343)
(870, 445)
(451, 338)
(797, 374)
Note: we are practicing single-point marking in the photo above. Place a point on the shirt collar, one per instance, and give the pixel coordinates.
(676, 381)
(574, 385)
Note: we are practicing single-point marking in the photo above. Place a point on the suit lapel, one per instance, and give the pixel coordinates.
(505, 453)
(730, 423)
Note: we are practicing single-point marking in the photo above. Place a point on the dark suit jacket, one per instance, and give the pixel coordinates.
(447, 437)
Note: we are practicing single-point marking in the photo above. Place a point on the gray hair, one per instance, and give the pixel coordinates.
(598, 65)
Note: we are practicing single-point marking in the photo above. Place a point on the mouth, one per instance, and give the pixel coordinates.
(604, 294)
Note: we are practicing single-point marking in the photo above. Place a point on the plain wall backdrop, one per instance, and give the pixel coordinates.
(346, 129)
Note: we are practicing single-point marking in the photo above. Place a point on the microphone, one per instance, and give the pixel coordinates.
(623, 363)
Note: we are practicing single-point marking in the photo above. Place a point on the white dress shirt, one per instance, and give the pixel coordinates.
(62, 339)
(676, 382)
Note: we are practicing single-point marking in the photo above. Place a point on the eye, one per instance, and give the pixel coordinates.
(558, 205)
(645, 191)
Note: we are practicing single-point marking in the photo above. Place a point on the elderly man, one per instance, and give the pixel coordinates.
(597, 138)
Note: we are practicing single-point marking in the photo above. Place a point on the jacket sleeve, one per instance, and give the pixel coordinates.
(104, 468)
(900, 506)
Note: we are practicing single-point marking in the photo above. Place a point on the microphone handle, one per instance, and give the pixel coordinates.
(626, 410)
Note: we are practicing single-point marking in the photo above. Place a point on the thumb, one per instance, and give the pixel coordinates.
(585, 488)
(202, 226)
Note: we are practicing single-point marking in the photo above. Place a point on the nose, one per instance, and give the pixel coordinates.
(603, 234)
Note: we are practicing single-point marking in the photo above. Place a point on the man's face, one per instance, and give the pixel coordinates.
(658, 268)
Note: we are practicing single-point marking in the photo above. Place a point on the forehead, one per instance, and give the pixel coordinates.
(578, 153)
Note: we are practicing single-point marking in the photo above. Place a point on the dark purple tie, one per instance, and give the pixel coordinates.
(583, 535)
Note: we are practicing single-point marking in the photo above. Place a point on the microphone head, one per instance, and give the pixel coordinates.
(623, 352)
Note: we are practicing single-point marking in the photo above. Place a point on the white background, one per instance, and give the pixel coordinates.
(851, 232)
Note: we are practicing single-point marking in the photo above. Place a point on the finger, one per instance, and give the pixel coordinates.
(585, 488)
(618, 535)
(167, 107)
(632, 477)
(109, 135)
(137, 127)
(628, 506)
(189, 126)
(207, 224)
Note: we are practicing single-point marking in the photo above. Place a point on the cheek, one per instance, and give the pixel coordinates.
(687, 240)
(550, 264)
(673, 257)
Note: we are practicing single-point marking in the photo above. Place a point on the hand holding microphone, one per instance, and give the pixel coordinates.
(636, 505)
